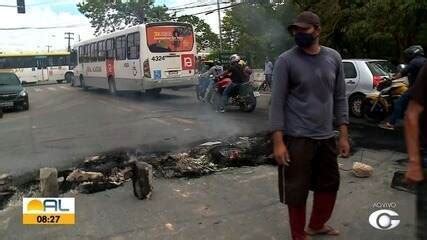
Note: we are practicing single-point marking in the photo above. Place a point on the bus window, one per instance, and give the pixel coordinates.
(109, 48)
(121, 48)
(133, 46)
(93, 52)
(101, 51)
(81, 54)
(166, 38)
(87, 53)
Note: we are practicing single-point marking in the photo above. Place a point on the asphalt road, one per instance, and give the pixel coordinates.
(66, 124)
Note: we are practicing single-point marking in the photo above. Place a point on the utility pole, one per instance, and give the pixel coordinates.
(219, 24)
(48, 47)
(69, 36)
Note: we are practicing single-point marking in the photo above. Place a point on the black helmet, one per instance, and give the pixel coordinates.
(413, 51)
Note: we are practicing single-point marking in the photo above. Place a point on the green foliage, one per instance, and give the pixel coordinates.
(204, 36)
(107, 16)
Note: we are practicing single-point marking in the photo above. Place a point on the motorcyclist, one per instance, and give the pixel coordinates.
(414, 56)
(238, 75)
(214, 72)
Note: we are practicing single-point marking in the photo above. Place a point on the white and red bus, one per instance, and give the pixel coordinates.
(146, 58)
(33, 67)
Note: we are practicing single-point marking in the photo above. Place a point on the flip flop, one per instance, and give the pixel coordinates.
(386, 126)
(328, 231)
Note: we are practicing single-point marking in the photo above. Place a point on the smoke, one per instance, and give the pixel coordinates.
(263, 30)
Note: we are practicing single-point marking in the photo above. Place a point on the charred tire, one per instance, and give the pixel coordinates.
(355, 105)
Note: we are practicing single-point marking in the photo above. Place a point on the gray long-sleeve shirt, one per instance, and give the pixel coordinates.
(308, 94)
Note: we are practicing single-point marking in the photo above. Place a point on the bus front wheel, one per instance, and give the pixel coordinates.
(112, 86)
(69, 77)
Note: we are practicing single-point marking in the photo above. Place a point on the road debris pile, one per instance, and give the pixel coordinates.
(210, 157)
(112, 169)
(99, 173)
(6, 190)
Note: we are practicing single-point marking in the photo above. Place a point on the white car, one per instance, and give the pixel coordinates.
(361, 77)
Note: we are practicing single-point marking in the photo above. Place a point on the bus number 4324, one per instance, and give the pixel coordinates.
(158, 58)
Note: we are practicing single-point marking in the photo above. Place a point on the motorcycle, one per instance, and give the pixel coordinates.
(243, 96)
(378, 105)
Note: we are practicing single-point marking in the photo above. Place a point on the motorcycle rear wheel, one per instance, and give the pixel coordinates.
(249, 104)
(378, 114)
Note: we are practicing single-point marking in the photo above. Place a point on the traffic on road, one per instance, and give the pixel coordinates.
(158, 120)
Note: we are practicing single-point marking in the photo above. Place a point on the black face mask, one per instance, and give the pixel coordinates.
(304, 40)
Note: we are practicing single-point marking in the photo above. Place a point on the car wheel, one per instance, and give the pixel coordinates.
(26, 105)
(355, 105)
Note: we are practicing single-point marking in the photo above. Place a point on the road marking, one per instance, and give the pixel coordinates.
(51, 89)
(183, 120)
(161, 121)
(64, 87)
(38, 90)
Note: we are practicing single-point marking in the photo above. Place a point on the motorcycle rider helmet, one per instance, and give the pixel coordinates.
(413, 51)
(235, 58)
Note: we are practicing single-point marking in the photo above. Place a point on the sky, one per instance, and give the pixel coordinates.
(65, 15)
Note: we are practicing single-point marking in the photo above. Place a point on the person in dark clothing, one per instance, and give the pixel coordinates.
(308, 99)
(416, 142)
(237, 75)
(414, 55)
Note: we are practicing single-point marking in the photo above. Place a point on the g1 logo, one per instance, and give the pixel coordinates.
(384, 219)
(187, 61)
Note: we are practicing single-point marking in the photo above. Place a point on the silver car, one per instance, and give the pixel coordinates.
(361, 77)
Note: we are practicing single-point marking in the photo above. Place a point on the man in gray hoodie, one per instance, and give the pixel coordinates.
(308, 102)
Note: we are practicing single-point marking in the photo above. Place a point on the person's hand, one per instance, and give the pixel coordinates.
(281, 154)
(414, 173)
(344, 147)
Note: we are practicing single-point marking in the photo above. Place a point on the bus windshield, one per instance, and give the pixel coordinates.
(167, 38)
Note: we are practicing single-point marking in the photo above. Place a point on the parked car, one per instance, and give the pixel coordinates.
(12, 94)
(361, 77)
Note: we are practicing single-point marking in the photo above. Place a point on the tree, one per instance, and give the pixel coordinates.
(204, 36)
(109, 16)
(370, 28)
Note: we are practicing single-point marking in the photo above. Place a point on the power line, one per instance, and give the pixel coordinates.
(39, 28)
(69, 36)
(216, 9)
(197, 6)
